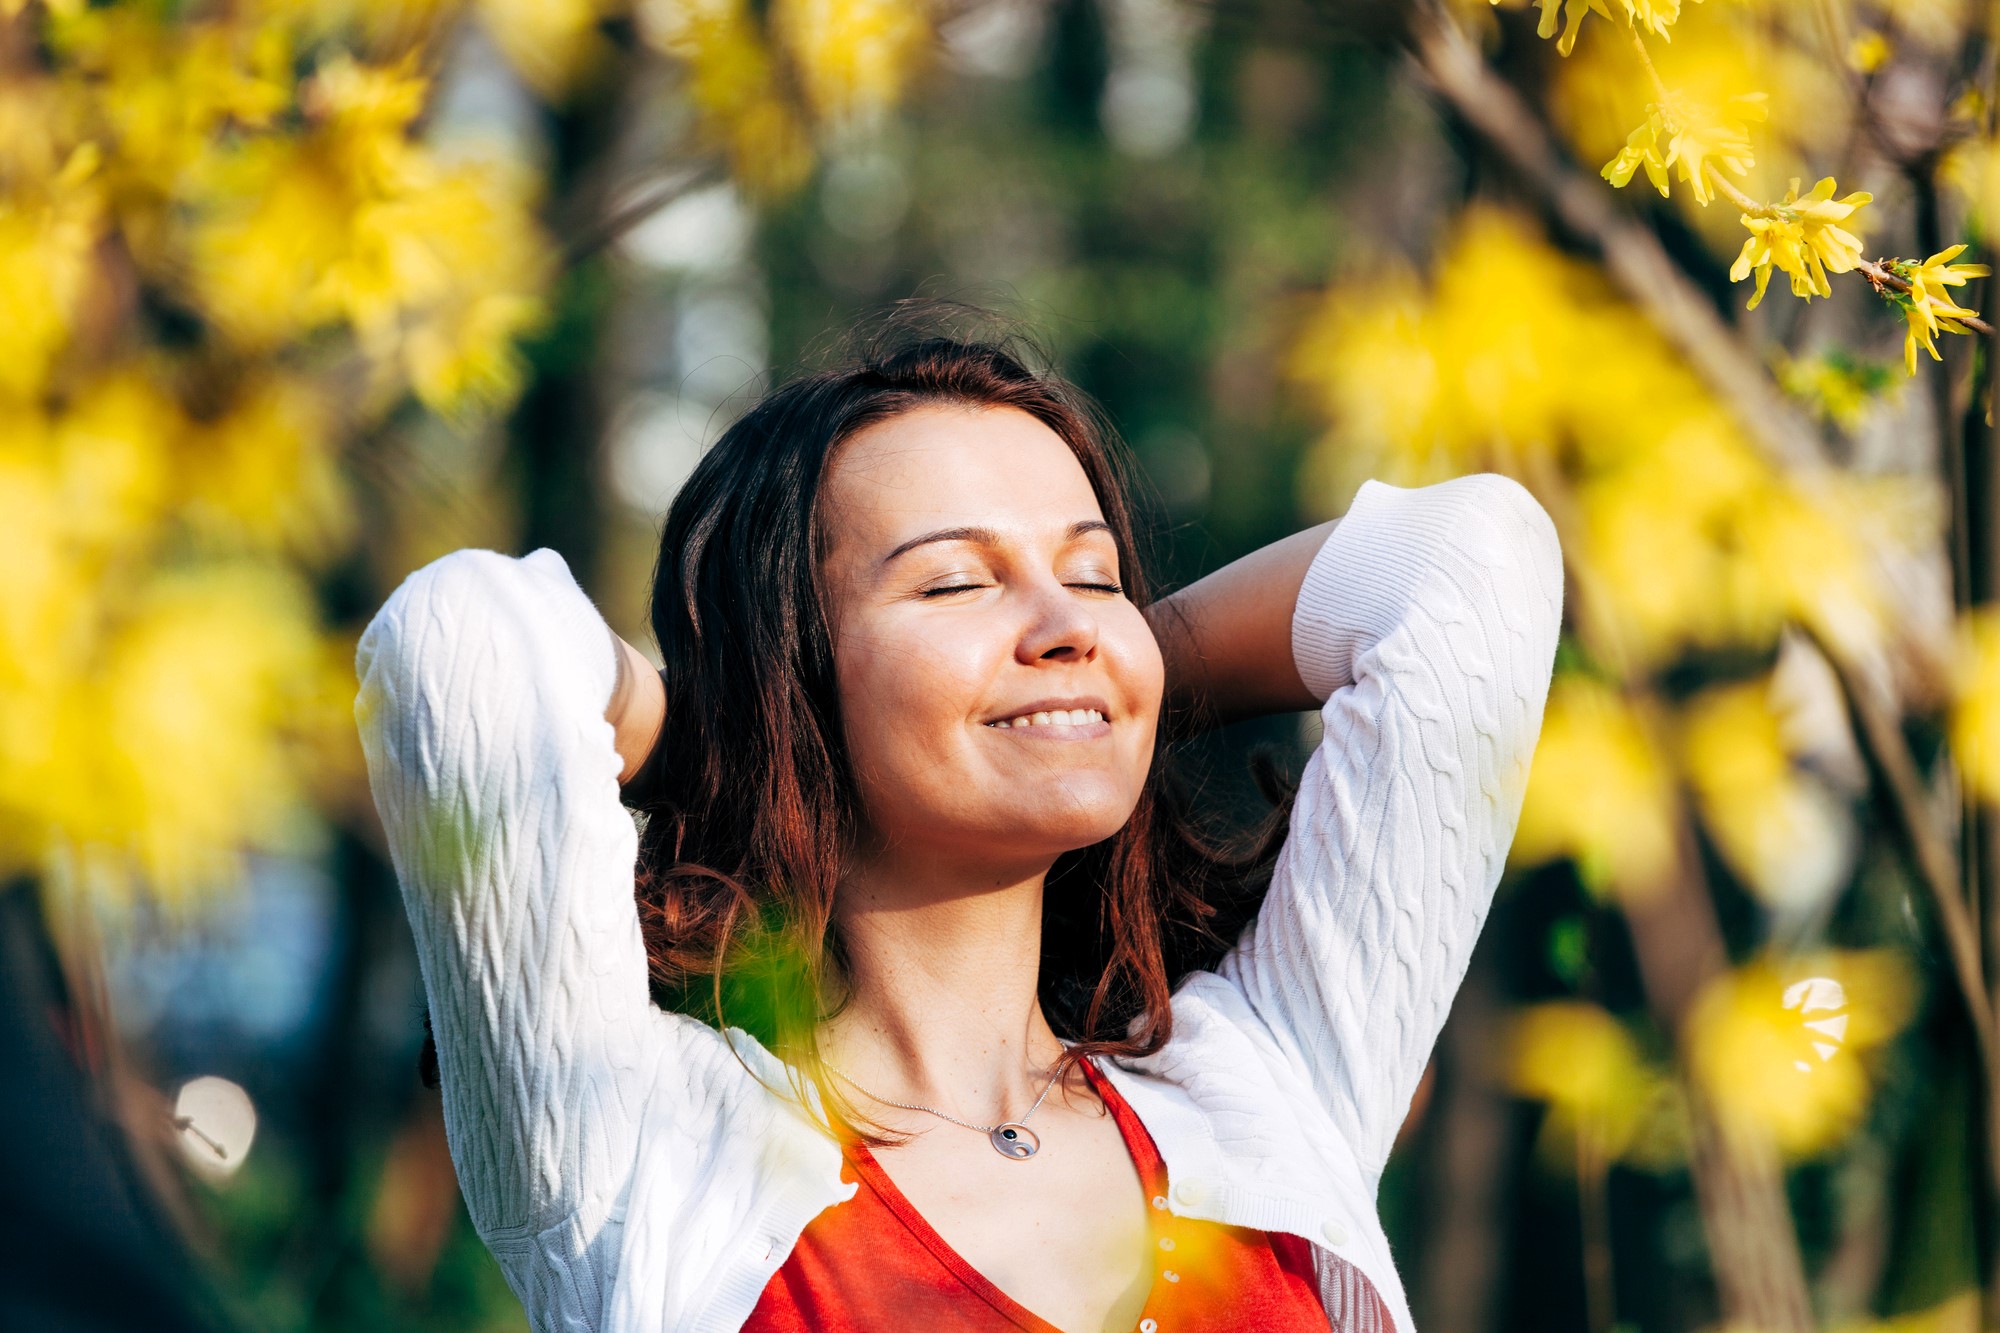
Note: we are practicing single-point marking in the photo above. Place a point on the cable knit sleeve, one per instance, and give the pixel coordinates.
(1428, 621)
(483, 685)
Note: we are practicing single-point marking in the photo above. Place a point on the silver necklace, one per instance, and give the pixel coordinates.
(1012, 1139)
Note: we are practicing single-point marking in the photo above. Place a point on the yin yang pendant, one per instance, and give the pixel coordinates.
(1014, 1140)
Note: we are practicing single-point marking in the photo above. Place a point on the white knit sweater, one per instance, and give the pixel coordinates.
(630, 1174)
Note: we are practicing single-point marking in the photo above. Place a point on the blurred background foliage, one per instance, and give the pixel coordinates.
(300, 295)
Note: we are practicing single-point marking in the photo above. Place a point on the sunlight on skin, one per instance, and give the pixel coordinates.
(1015, 611)
(1023, 615)
(971, 582)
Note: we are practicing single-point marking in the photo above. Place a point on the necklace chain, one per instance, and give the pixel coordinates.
(931, 1110)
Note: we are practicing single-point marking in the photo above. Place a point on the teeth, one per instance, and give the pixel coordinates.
(1057, 717)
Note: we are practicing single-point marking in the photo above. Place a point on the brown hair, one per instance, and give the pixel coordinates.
(747, 797)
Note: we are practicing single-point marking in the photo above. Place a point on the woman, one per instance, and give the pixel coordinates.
(1015, 1047)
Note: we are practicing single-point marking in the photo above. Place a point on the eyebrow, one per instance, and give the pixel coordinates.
(986, 536)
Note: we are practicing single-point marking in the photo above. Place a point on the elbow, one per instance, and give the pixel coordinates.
(1508, 536)
(473, 633)
(1504, 519)
(1523, 557)
(449, 591)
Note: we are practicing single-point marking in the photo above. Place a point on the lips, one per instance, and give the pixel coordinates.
(1073, 715)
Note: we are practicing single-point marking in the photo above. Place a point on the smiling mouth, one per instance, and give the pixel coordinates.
(1055, 717)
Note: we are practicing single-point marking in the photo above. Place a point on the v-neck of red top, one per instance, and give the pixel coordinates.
(876, 1180)
(875, 1263)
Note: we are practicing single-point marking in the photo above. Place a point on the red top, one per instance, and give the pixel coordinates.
(873, 1263)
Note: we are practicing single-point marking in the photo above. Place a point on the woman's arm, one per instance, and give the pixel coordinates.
(482, 712)
(637, 711)
(1227, 639)
(1428, 622)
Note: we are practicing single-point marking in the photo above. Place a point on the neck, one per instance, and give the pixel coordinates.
(942, 966)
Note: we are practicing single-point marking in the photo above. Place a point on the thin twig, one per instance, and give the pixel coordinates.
(1881, 277)
(1888, 754)
(1727, 189)
(639, 205)
(1652, 72)
(1879, 274)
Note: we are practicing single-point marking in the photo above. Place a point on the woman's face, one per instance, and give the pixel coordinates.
(998, 690)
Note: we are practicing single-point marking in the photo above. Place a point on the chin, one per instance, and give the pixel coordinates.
(1070, 827)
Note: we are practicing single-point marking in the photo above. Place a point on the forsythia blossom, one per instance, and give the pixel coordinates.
(1780, 1050)
(1975, 717)
(1927, 307)
(1657, 16)
(1803, 237)
(1590, 1071)
(1695, 137)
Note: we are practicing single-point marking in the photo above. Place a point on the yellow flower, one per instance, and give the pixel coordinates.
(1367, 357)
(1598, 794)
(1696, 135)
(1869, 51)
(46, 239)
(1975, 718)
(1784, 833)
(1927, 307)
(364, 114)
(1807, 558)
(1803, 237)
(853, 56)
(1700, 134)
(733, 79)
(435, 268)
(1778, 1048)
(1837, 385)
(1655, 548)
(171, 87)
(188, 761)
(263, 476)
(1587, 1067)
(110, 453)
(1657, 16)
(1642, 149)
(550, 43)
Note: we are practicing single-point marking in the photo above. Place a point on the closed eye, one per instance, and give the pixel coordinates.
(1112, 588)
(951, 588)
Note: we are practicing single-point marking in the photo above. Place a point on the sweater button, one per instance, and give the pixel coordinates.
(1335, 1234)
(1149, 1326)
(1160, 1202)
(1188, 1194)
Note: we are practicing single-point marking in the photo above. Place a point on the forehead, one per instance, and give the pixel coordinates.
(949, 466)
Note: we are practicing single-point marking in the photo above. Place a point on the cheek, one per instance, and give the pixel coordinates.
(1138, 668)
(903, 697)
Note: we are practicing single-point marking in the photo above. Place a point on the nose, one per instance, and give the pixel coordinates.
(1061, 628)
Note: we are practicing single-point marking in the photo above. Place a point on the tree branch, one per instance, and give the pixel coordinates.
(1888, 754)
(1632, 254)
(637, 205)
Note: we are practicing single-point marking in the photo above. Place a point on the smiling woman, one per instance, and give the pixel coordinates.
(956, 1017)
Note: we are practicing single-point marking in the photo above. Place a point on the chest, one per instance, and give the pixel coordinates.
(1064, 1233)
(1077, 1239)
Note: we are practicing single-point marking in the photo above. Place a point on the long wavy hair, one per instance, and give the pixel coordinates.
(748, 799)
